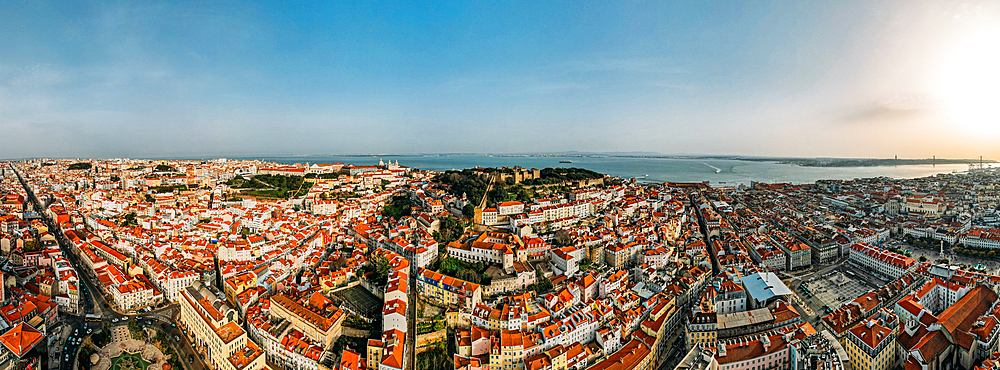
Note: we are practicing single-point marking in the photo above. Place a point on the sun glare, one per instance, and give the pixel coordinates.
(970, 83)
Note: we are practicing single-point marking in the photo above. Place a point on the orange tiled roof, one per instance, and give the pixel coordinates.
(21, 339)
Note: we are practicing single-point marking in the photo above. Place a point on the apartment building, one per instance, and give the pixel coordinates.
(872, 345)
(448, 291)
(880, 262)
(313, 314)
(215, 331)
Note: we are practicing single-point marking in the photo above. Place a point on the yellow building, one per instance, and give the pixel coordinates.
(871, 345)
(702, 329)
(617, 255)
(656, 325)
(374, 353)
(507, 350)
(557, 355)
(448, 291)
(239, 283)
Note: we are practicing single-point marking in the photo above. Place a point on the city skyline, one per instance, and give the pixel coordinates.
(780, 79)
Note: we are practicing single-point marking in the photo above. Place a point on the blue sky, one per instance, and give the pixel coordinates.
(815, 78)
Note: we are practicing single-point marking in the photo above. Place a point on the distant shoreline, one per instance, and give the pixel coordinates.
(797, 161)
(883, 162)
(832, 162)
(803, 162)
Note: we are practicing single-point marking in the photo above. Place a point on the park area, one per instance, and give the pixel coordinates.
(271, 186)
(129, 361)
(130, 354)
(129, 346)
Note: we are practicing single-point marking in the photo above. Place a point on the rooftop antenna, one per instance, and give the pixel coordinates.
(933, 161)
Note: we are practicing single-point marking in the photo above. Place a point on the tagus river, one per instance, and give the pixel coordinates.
(717, 171)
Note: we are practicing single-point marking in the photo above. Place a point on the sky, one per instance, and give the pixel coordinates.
(846, 78)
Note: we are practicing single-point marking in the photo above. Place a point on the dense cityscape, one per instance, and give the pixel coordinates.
(513, 185)
(246, 265)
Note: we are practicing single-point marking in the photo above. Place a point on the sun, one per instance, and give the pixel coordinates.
(970, 83)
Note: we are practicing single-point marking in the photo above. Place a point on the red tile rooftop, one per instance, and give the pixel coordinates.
(21, 339)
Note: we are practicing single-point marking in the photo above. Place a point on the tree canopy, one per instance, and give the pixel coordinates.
(559, 175)
(129, 220)
(449, 230)
(473, 184)
(379, 268)
(80, 166)
(435, 358)
(32, 245)
(398, 206)
(543, 284)
(471, 272)
(274, 186)
(164, 168)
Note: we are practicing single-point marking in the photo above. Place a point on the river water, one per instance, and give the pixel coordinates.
(718, 172)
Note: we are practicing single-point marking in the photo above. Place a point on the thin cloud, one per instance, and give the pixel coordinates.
(891, 110)
(910, 103)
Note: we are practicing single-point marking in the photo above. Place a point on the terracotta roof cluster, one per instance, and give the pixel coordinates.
(884, 256)
(954, 326)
